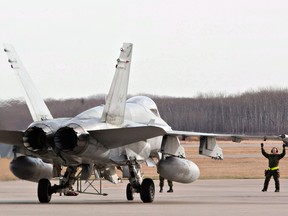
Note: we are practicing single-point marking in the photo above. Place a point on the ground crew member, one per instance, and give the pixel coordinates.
(161, 184)
(273, 169)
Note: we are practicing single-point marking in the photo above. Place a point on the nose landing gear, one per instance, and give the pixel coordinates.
(146, 188)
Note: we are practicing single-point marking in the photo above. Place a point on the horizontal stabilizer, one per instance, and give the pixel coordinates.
(11, 137)
(113, 138)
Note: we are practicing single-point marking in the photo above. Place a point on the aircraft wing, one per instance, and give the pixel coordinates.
(11, 137)
(208, 145)
(232, 137)
(117, 137)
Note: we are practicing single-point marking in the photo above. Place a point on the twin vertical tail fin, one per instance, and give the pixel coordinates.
(37, 107)
(114, 109)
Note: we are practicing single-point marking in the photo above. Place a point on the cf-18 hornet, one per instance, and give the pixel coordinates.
(121, 134)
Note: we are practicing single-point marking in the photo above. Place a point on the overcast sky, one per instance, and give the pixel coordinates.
(181, 48)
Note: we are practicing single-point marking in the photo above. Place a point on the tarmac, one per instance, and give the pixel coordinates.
(203, 197)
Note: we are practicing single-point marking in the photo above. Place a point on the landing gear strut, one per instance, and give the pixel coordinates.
(146, 188)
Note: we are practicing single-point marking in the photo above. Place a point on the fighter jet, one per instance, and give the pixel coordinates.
(121, 134)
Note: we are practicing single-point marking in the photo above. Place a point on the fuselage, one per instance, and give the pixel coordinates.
(139, 111)
(79, 148)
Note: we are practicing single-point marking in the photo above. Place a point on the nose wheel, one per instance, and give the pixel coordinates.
(129, 192)
(147, 191)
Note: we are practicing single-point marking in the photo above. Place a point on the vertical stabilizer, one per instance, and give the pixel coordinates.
(37, 107)
(114, 109)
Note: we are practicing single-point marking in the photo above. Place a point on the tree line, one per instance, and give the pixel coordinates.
(254, 112)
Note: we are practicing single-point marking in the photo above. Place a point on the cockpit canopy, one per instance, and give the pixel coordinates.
(146, 102)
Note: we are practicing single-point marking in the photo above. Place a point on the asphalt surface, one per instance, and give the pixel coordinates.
(203, 197)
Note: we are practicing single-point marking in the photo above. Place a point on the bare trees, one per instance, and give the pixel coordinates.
(260, 112)
(264, 111)
(14, 114)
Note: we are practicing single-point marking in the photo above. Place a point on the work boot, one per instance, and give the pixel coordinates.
(161, 189)
(71, 193)
(170, 190)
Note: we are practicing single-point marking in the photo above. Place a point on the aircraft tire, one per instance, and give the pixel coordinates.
(147, 192)
(44, 191)
(129, 192)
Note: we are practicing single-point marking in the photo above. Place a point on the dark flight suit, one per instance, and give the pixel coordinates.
(161, 184)
(273, 169)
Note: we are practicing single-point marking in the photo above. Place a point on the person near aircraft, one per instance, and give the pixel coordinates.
(161, 184)
(273, 169)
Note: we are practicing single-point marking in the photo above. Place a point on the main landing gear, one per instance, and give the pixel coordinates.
(45, 190)
(146, 188)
